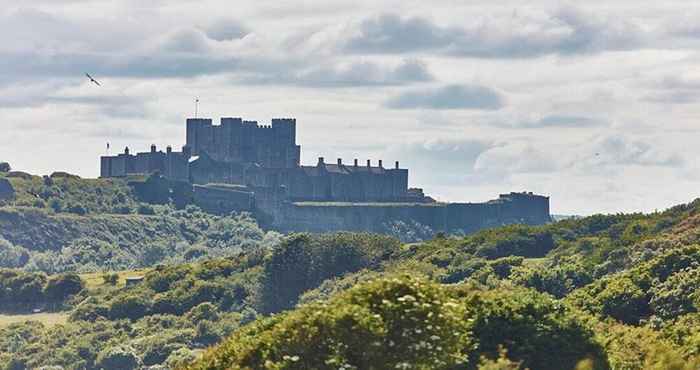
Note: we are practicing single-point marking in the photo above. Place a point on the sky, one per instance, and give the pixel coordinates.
(593, 103)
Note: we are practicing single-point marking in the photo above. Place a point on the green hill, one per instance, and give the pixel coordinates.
(617, 291)
(601, 292)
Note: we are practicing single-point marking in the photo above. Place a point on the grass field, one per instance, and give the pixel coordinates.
(49, 318)
(94, 279)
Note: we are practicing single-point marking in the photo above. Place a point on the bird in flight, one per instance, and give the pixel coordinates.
(92, 79)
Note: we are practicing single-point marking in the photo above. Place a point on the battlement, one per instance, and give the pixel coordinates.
(237, 140)
(173, 165)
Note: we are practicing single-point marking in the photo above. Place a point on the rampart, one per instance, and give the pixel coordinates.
(520, 208)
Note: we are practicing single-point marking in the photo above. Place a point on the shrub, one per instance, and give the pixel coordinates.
(110, 278)
(118, 358)
(128, 306)
(146, 209)
(385, 324)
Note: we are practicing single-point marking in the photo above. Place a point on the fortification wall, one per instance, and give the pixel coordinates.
(466, 217)
(223, 199)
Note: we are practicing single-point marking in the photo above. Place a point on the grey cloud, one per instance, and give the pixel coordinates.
(674, 97)
(346, 75)
(554, 120)
(390, 33)
(441, 161)
(505, 159)
(673, 90)
(449, 97)
(188, 40)
(621, 150)
(565, 32)
(118, 106)
(226, 29)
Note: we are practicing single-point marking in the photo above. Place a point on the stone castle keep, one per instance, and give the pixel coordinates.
(241, 165)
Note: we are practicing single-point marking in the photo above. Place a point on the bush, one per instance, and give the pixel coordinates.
(110, 278)
(128, 306)
(146, 209)
(386, 324)
(118, 358)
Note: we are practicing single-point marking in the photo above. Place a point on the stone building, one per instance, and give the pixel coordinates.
(173, 165)
(240, 165)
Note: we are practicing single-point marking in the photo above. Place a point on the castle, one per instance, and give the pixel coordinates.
(241, 165)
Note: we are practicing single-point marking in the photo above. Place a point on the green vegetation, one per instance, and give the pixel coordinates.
(21, 291)
(600, 292)
(39, 240)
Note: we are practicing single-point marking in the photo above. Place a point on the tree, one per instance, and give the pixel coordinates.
(60, 287)
(5, 167)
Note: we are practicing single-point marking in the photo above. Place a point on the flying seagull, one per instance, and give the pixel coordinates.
(92, 79)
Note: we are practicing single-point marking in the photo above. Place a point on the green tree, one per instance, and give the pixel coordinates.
(60, 287)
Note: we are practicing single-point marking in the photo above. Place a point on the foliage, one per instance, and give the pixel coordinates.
(37, 240)
(302, 262)
(405, 322)
(5, 167)
(21, 290)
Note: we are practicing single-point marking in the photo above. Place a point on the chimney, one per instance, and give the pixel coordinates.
(320, 161)
(380, 164)
(153, 148)
(355, 162)
(169, 149)
(369, 164)
(397, 165)
(340, 162)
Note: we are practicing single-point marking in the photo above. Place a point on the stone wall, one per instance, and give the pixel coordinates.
(221, 199)
(450, 217)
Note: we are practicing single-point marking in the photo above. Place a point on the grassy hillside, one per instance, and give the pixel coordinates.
(602, 292)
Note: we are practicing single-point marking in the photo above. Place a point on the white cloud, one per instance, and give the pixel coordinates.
(496, 96)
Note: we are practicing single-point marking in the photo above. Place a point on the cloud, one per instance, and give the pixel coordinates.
(440, 160)
(674, 90)
(449, 97)
(106, 103)
(516, 157)
(552, 121)
(361, 73)
(189, 40)
(225, 30)
(567, 31)
(620, 150)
